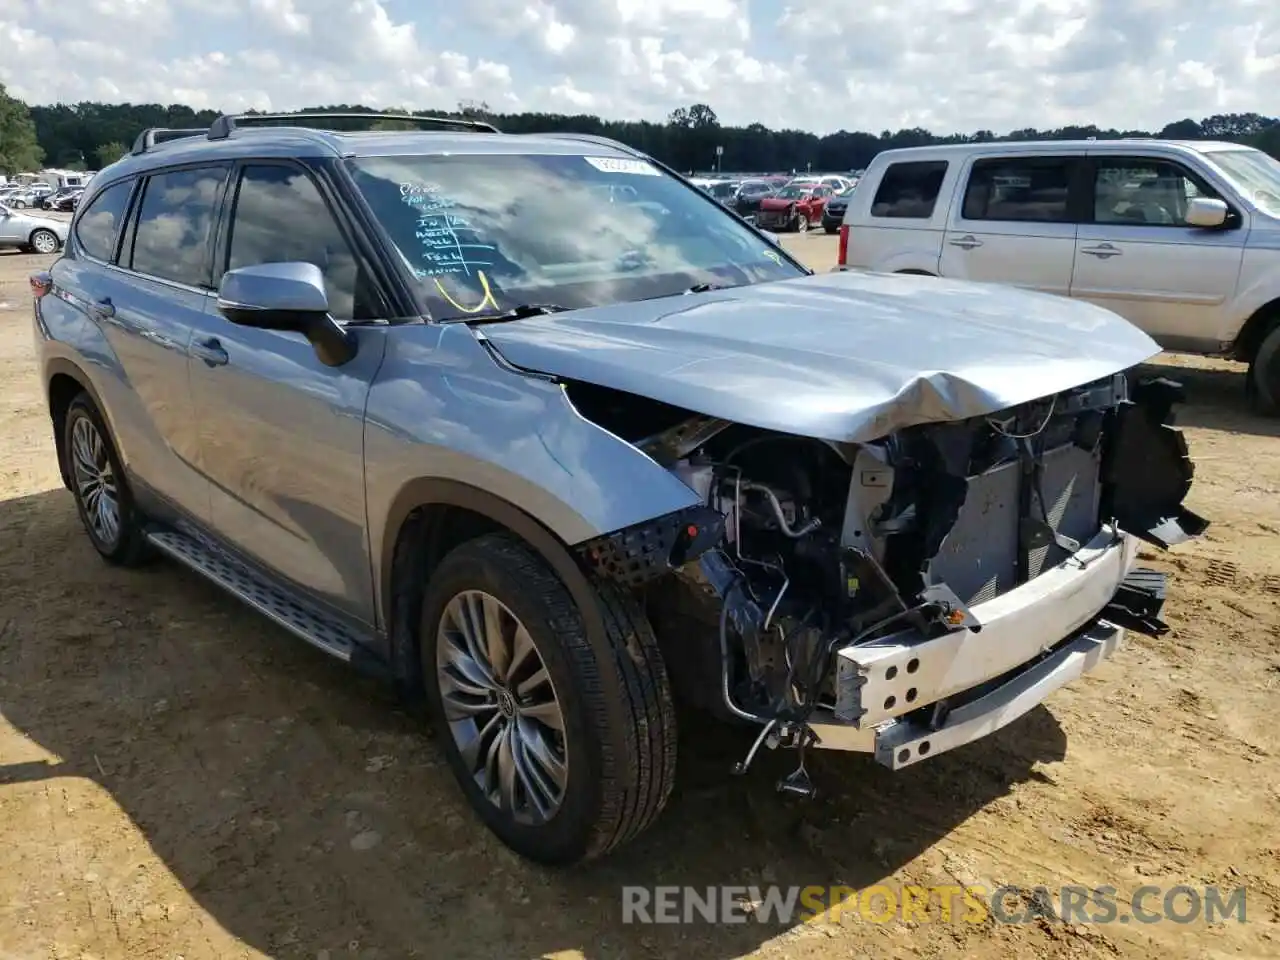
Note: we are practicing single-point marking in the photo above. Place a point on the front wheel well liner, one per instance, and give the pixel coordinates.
(1255, 330)
(428, 518)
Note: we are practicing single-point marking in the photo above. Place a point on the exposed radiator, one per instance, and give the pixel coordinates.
(980, 559)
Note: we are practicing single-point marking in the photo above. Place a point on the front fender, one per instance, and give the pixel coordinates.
(445, 413)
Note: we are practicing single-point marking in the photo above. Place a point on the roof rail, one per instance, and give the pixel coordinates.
(593, 138)
(149, 137)
(225, 124)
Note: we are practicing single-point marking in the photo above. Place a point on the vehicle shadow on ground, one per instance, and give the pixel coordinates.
(307, 814)
(1216, 398)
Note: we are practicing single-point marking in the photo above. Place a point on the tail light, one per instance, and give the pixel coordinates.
(842, 256)
(41, 283)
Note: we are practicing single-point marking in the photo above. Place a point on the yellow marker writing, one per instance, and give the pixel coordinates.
(487, 302)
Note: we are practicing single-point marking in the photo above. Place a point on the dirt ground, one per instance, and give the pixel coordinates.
(180, 779)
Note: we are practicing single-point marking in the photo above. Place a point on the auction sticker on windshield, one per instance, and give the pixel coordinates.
(621, 165)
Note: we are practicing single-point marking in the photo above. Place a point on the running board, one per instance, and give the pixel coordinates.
(259, 593)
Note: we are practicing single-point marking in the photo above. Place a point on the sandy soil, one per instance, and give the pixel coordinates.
(180, 779)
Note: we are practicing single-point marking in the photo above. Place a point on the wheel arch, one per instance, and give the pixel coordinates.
(64, 381)
(1255, 330)
(431, 516)
(31, 237)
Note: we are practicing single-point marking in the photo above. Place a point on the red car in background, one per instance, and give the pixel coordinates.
(794, 207)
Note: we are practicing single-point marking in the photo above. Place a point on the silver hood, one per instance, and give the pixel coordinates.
(836, 356)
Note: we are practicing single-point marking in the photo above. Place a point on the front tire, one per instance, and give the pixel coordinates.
(556, 769)
(802, 223)
(44, 241)
(98, 484)
(1264, 374)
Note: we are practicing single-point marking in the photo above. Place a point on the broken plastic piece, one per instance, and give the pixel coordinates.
(1138, 601)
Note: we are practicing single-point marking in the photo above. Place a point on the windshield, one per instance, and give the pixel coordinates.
(794, 192)
(1257, 174)
(486, 233)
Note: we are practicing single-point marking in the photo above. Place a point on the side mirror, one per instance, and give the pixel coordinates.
(286, 296)
(1206, 212)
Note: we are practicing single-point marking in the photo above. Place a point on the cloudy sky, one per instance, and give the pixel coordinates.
(816, 64)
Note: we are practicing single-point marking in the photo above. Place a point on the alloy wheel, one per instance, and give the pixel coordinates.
(501, 707)
(95, 481)
(44, 242)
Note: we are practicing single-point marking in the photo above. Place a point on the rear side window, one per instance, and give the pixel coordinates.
(1021, 189)
(909, 190)
(99, 225)
(175, 223)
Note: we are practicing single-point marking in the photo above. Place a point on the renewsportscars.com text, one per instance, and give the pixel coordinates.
(933, 904)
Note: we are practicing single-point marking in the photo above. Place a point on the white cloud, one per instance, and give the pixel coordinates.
(814, 64)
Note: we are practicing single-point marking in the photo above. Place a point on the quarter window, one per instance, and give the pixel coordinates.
(175, 223)
(1022, 189)
(1144, 192)
(281, 217)
(99, 225)
(909, 190)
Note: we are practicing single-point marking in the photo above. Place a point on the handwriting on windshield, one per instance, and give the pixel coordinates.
(447, 244)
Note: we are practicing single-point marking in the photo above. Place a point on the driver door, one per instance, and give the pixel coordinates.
(1138, 256)
(281, 434)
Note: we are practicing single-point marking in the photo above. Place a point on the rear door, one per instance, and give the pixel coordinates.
(1137, 255)
(1015, 222)
(281, 434)
(146, 286)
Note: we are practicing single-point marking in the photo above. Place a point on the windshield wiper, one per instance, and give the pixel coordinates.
(706, 287)
(518, 312)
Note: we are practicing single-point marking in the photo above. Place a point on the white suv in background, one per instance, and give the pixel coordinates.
(1180, 238)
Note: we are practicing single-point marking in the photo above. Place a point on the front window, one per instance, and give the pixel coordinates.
(1257, 174)
(486, 233)
(794, 192)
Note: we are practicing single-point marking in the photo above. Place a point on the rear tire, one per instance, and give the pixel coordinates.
(1264, 374)
(103, 498)
(607, 766)
(831, 230)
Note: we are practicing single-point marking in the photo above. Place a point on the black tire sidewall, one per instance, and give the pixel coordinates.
(82, 408)
(566, 837)
(1267, 391)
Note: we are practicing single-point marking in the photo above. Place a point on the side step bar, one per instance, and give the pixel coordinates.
(258, 592)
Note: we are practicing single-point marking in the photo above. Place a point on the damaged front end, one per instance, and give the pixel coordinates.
(905, 596)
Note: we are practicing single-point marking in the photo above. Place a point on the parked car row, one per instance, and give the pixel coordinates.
(781, 202)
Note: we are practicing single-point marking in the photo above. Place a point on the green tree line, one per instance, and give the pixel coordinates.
(89, 135)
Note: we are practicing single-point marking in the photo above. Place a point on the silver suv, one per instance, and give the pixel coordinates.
(1180, 238)
(542, 434)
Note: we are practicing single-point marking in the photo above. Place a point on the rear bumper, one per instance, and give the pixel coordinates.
(1033, 640)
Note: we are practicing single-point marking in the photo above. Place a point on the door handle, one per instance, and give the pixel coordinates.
(1102, 251)
(967, 242)
(211, 351)
(103, 309)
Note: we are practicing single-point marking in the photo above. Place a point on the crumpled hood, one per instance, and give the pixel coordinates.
(838, 356)
(778, 203)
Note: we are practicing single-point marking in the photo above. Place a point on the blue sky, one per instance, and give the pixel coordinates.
(820, 65)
